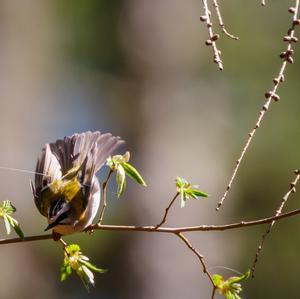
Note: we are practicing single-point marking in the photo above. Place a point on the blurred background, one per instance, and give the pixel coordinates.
(140, 69)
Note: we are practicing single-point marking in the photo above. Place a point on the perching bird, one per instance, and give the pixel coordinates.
(66, 188)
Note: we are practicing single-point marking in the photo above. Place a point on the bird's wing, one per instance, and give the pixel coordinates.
(80, 154)
(95, 148)
(63, 150)
(47, 170)
(92, 150)
(92, 147)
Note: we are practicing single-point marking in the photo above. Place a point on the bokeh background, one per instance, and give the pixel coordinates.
(140, 69)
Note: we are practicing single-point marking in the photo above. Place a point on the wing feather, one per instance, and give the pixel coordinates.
(47, 170)
(88, 151)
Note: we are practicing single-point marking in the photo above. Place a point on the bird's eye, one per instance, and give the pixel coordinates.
(45, 182)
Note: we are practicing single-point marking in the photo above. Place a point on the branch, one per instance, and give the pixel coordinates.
(170, 230)
(286, 56)
(198, 254)
(204, 227)
(284, 200)
(27, 239)
(103, 196)
(164, 219)
(212, 37)
(221, 23)
(213, 293)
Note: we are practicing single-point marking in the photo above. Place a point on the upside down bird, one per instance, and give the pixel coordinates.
(66, 190)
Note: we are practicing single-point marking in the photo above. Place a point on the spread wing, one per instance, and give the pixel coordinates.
(87, 151)
(47, 169)
(91, 151)
(94, 148)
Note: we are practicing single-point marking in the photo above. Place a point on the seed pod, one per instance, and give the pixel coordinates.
(292, 9)
(208, 42)
(296, 22)
(215, 37)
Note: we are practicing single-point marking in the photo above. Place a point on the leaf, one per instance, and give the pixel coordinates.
(120, 164)
(199, 193)
(182, 199)
(230, 295)
(65, 271)
(14, 223)
(126, 157)
(133, 173)
(230, 287)
(181, 183)
(89, 274)
(217, 279)
(6, 209)
(121, 180)
(72, 249)
(75, 260)
(7, 224)
(93, 267)
(18, 231)
(110, 163)
(187, 191)
(190, 194)
(236, 279)
(83, 278)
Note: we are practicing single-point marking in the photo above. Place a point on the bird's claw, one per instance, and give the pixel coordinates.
(89, 229)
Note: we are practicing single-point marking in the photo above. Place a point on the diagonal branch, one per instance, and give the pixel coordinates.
(221, 23)
(287, 57)
(103, 196)
(213, 293)
(199, 256)
(212, 37)
(284, 200)
(164, 219)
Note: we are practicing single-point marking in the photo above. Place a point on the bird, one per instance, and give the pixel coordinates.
(66, 190)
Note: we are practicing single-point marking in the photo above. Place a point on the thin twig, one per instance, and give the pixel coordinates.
(284, 200)
(213, 292)
(286, 56)
(221, 23)
(103, 196)
(170, 230)
(198, 254)
(212, 37)
(64, 244)
(164, 219)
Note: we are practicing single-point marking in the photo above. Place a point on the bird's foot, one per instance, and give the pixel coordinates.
(89, 229)
(56, 236)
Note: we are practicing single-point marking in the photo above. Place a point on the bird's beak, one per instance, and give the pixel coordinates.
(50, 225)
